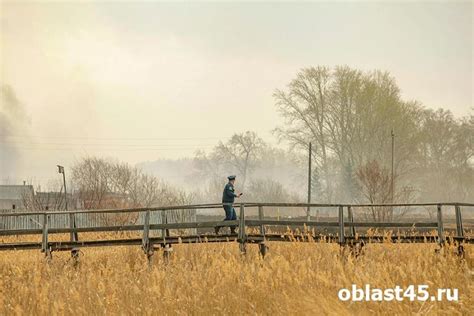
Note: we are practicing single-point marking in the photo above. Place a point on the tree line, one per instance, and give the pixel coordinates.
(349, 116)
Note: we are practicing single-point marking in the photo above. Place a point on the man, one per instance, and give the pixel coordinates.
(228, 197)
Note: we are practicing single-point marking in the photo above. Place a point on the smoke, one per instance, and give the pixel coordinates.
(14, 121)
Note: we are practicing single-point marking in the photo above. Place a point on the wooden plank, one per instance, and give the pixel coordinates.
(219, 205)
(72, 223)
(261, 216)
(120, 228)
(262, 246)
(163, 221)
(352, 231)
(459, 228)
(67, 245)
(341, 224)
(146, 233)
(194, 225)
(369, 239)
(393, 224)
(44, 242)
(21, 246)
(242, 234)
(440, 225)
(260, 223)
(253, 222)
(57, 246)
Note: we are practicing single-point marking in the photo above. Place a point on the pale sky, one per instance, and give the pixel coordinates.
(141, 81)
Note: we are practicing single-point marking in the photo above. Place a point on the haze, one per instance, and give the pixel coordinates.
(159, 80)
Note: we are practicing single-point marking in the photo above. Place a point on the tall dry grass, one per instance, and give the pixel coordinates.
(202, 279)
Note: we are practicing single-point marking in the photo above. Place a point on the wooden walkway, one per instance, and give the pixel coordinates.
(257, 229)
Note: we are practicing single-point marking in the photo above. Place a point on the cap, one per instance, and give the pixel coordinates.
(231, 177)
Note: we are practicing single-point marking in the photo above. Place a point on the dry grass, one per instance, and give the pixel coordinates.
(294, 278)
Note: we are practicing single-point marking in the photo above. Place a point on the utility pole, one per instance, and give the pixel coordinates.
(61, 170)
(308, 213)
(72, 222)
(393, 149)
(392, 185)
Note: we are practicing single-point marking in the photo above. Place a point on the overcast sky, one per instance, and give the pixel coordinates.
(150, 80)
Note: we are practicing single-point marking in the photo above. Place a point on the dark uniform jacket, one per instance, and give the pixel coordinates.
(228, 195)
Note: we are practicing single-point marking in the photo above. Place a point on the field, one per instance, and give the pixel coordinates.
(204, 279)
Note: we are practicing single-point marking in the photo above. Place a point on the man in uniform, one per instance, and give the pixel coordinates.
(228, 197)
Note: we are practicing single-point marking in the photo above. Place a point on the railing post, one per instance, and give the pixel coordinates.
(147, 248)
(44, 242)
(260, 217)
(164, 220)
(440, 225)
(74, 237)
(459, 228)
(341, 225)
(146, 230)
(167, 249)
(242, 235)
(352, 231)
(262, 247)
(72, 225)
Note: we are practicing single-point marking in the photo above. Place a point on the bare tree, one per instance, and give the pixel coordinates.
(269, 190)
(305, 108)
(242, 153)
(446, 151)
(347, 114)
(102, 183)
(265, 190)
(376, 188)
(52, 200)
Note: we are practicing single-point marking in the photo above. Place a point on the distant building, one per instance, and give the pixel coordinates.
(18, 197)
